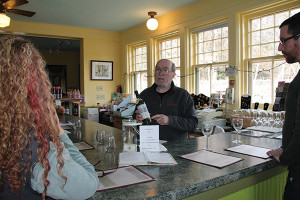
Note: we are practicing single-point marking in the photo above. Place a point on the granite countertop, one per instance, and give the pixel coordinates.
(185, 179)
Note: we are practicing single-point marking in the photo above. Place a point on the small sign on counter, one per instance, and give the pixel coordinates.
(149, 138)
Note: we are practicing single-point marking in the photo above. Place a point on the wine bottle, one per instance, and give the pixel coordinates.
(142, 107)
(75, 109)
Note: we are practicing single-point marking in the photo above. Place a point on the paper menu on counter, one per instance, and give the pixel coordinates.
(250, 150)
(145, 158)
(123, 176)
(211, 158)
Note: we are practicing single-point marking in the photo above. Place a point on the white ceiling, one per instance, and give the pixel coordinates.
(110, 15)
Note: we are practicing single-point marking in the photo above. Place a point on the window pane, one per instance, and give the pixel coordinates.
(294, 11)
(168, 44)
(255, 24)
(280, 17)
(267, 35)
(204, 81)
(219, 79)
(255, 52)
(255, 38)
(225, 56)
(208, 58)
(139, 64)
(217, 56)
(143, 81)
(163, 46)
(200, 37)
(208, 46)
(225, 32)
(174, 53)
(217, 45)
(168, 53)
(200, 48)
(174, 43)
(176, 79)
(262, 82)
(217, 33)
(225, 44)
(267, 21)
(267, 50)
(208, 35)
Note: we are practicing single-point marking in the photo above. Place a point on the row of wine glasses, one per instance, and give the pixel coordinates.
(262, 118)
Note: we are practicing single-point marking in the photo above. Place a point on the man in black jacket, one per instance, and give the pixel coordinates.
(171, 107)
(289, 153)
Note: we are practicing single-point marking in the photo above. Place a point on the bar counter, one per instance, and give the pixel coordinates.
(189, 179)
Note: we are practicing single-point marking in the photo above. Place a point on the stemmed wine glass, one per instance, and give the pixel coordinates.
(207, 129)
(237, 125)
(100, 136)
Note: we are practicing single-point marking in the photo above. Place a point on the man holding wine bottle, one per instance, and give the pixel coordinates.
(289, 153)
(170, 107)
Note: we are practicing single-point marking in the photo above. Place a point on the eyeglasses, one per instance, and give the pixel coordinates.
(283, 40)
(102, 173)
(163, 71)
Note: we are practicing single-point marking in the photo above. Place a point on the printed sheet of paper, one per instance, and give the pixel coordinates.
(145, 158)
(123, 176)
(250, 150)
(132, 158)
(83, 146)
(211, 158)
(149, 138)
(160, 158)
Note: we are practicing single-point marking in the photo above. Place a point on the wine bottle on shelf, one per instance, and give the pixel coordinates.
(75, 109)
(142, 107)
(61, 93)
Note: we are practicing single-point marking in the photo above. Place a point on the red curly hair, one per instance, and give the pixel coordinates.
(26, 104)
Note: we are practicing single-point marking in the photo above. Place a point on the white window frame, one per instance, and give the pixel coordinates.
(199, 66)
(160, 51)
(134, 72)
(275, 57)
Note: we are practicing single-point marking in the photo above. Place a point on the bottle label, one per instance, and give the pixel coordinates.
(144, 111)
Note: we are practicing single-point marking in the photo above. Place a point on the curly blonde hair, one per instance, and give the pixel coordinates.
(26, 104)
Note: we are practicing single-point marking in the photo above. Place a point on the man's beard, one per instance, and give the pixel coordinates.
(290, 59)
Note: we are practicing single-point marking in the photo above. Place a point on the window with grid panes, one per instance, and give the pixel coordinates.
(140, 68)
(211, 58)
(266, 66)
(170, 49)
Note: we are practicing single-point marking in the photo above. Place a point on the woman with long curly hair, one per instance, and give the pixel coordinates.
(37, 159)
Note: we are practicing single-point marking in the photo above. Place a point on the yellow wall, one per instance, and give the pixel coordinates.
(69, 58)
(113, 46)
(199, 15)
(95, 45)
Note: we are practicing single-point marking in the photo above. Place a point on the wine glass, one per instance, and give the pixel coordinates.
(100, 137)
(237, 125)
(254, 117)
(207, 129)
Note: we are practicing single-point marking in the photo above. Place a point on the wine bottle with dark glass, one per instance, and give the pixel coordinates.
(142, 107)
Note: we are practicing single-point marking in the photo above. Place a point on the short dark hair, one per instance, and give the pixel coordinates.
(293, 24)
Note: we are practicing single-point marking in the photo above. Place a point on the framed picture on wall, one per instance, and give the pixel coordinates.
(101, 70)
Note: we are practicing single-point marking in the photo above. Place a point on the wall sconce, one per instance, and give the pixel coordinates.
(4, 20)
(152, 23)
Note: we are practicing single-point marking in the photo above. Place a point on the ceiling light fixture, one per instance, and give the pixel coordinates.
(4, 20)
(152, 23)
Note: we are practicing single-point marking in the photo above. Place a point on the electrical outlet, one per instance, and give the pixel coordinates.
(100, 97)
(99, 87)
